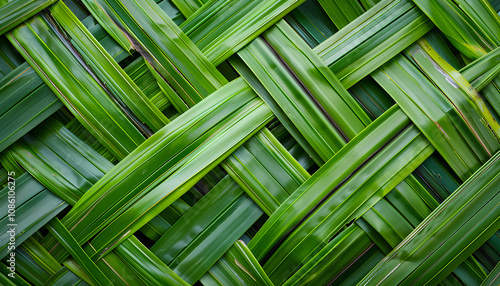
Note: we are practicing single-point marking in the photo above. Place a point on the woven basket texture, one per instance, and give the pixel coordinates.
(249, 142)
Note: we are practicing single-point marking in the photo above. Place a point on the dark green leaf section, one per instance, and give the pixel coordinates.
(155, 36)
(9, 58)
(266, 171)
(229, 116)
(311, 23)
(69, 243)
(108, 69)
(150, 269)
(462, 144)
(491, 93)
(373, 38)
(217, 239)
(23, 92)
(15, 12)
(193, 223)
(493, 278)
(60, 160)
(209, 228)
(312, 215)
(40, 256)
(371, 96)
(65, 74)
(476, 27)
(345, 249)
(65, 277)
(34, 207)
(483, 70)
(221, 28)
(311, 97)
(237, 267)
(456, 228)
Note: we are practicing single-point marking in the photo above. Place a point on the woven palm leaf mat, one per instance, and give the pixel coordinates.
(249, 142)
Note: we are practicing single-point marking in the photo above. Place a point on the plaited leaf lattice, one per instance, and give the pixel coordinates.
(249, 142)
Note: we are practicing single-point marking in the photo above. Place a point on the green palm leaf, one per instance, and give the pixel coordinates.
(249, 142)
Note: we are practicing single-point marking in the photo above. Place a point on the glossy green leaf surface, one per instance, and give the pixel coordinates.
(250, 142)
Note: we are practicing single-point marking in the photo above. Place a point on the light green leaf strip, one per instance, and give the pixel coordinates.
(79, 92)
(22, 92)
(349, 200)
(313, 74)
(108, 69)
(483, 70)
(166, 48)
(68, 241)
(35, 206)
(77, 270)
(145, 77)
(391, 223)
(150, 269)
(283, 117)
(388, 222)
(344, 249)
(116, 269)
(372, 39)
(455, 229)
(493, 278)
(333, 195)
(237, 267)
(188, 7)
(183, 152)
(107, 24)
(298, 102)
(15, 12)
(411, 200)
(464, 34)
(265, 170)
(438, 42)
(195, 168)
(60, 160)
(433, 114)
(342, 12)
(458, 91)
(221, 28)
(245, 260)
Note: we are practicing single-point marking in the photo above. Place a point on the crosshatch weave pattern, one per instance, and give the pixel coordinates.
(250, 142)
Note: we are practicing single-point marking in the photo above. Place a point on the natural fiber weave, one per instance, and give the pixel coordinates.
(250, 142)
